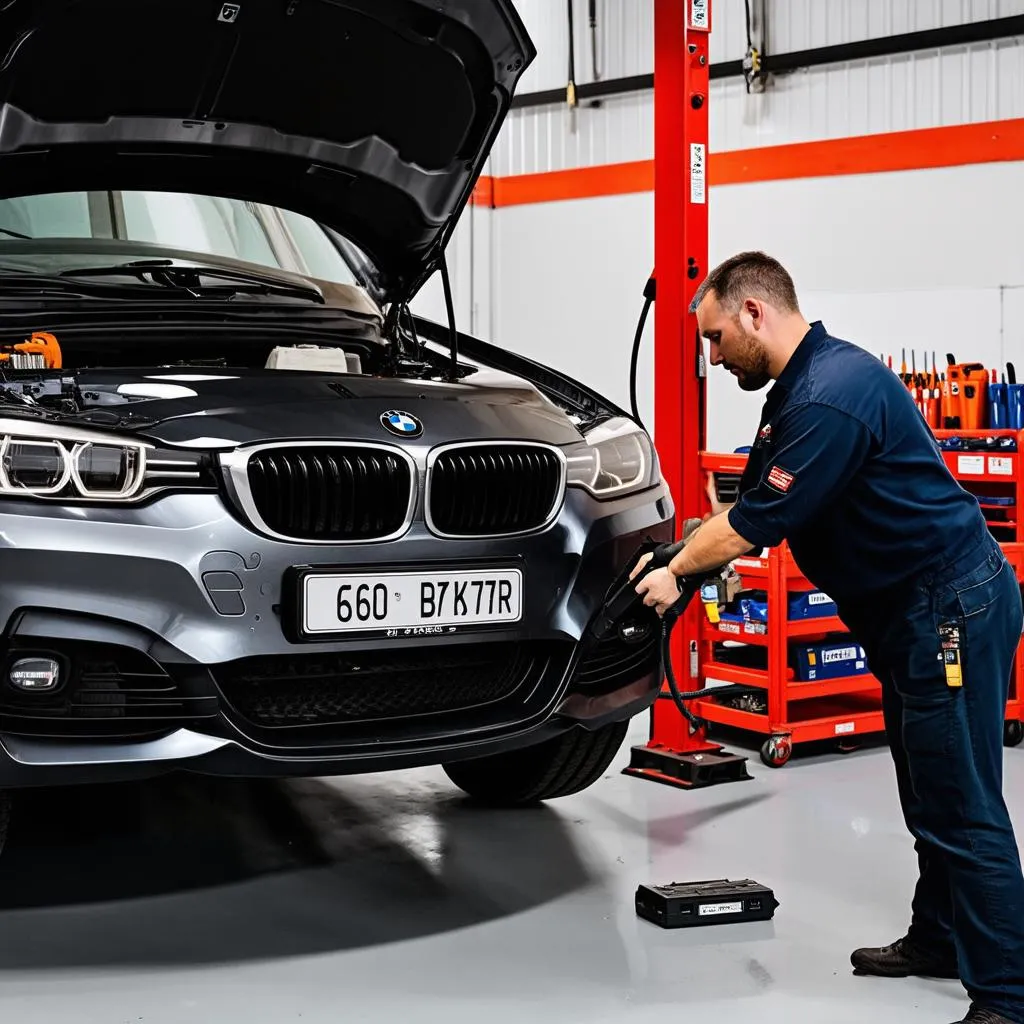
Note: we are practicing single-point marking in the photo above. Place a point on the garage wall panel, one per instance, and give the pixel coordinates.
(625, 30)
(955, 85)
(804, 24)
(924, 260)
(966, 85)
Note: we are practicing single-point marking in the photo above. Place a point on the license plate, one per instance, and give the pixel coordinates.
(411, 601)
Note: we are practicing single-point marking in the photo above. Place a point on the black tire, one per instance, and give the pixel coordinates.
(560, 767)
(1013, 733)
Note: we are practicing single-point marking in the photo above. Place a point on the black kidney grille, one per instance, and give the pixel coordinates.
(334, 689)
(484, 490)
(330, 493)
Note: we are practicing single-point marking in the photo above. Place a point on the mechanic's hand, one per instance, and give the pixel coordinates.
(659, 589)
(639, 565)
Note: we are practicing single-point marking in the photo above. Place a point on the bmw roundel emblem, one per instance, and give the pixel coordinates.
(404, 424)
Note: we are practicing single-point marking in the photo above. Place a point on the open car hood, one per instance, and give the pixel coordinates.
(373, 117)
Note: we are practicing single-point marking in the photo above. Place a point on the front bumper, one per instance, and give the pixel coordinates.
(204, 682)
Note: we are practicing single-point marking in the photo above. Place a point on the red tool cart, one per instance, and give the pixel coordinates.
(809, 706)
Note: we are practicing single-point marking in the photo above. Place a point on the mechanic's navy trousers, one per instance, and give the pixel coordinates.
(947, 744)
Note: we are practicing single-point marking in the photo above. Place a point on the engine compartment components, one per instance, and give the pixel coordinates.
(313, 358)
(40, 352)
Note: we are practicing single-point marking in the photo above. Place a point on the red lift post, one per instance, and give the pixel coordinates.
(678, 753)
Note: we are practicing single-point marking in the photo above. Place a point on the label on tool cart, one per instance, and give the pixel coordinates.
(971, 465)
(845, 727)
(698, 163)
(710, 909)
(998, 465)
(839, 654)
(699, 14)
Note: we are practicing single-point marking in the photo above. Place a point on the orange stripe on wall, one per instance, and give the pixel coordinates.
(922, 148)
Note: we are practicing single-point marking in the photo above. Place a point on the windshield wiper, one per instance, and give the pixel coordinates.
(15, 234)
(187, 277)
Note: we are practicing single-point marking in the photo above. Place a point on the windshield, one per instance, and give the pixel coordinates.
(92, 223)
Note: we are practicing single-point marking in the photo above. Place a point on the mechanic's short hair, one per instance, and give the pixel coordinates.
(749, 275)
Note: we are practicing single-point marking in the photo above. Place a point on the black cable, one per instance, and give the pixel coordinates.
(453, 334)
(680, 699)
(570, 89)
(593, 40)
(649, 294)
(637, 338)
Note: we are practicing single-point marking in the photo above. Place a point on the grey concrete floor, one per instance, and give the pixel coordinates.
(388, 899)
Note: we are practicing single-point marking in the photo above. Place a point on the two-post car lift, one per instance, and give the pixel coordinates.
(678, 751)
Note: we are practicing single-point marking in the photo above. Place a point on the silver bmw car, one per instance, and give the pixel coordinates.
(255, 517)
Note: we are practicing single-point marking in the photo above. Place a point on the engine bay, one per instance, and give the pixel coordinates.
(66, 376)
(94, 364)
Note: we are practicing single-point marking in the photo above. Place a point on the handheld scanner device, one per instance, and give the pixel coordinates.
(622, 597)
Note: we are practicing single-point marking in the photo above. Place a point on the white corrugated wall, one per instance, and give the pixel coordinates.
(926, 260)
(980, 82)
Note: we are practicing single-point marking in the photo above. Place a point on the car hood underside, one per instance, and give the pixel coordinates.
(373, 117)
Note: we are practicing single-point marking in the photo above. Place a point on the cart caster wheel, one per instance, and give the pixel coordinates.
(776, 751)
(1013, 733)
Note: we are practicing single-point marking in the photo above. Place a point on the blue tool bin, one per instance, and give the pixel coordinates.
(814, 662)
(811, 604)
(804, 604)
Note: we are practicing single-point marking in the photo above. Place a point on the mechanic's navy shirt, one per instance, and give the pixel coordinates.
(845, 469)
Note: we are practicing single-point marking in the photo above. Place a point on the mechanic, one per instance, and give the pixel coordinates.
(846, 470)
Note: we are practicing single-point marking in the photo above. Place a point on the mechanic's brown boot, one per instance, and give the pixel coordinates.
(903, 959)
(977, 1015)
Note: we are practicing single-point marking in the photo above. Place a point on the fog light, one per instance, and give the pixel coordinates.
(632, 632)
(35, 675)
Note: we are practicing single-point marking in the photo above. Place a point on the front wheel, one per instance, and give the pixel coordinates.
(559, 767)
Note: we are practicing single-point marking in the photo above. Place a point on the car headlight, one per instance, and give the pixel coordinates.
(48, 461)
(616, 458)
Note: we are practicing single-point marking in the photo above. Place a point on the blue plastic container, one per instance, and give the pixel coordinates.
(998, 411)
(1015, 406)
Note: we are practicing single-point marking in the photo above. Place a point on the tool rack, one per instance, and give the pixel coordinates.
(846, 708)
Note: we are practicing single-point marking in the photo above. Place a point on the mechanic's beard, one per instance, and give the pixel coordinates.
(752, 364)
